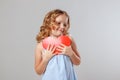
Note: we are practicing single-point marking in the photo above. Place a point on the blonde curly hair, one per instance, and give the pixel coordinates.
(49, 22)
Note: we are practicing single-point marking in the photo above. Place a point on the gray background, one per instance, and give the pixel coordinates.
(95, 26)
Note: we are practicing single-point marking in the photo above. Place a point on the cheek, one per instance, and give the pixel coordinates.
(67, 28)
(54, 27)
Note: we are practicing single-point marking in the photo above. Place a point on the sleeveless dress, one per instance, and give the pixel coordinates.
(59, 67)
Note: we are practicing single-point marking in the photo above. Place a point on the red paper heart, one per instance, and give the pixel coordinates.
(56, 42)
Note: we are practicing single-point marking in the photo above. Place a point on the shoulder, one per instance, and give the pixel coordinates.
(38, 46)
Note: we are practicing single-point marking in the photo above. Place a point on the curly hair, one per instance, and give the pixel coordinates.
(49, 22)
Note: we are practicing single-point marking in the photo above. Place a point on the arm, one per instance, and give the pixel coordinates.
(40, 64)
(41, 61)
(75, 57)
(70, 51)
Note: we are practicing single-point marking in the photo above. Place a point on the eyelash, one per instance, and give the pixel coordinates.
(60, 23)
(65, 25)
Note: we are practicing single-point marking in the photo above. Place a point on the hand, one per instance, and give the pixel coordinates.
(67, 50)
(49, 52)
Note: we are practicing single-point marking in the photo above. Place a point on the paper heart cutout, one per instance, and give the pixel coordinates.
(56, 42)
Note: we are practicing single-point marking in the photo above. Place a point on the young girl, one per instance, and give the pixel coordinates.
(48, 64)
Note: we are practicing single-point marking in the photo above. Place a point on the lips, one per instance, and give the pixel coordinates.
(56, 42)
(61, 30)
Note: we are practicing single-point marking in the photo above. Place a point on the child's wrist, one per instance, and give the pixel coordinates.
(72, 54)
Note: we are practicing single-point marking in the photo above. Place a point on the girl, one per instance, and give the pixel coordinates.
(48, 64)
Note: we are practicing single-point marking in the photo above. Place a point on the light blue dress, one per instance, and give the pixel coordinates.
(59, 67)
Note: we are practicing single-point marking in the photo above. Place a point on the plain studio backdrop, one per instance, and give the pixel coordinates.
(95, 26)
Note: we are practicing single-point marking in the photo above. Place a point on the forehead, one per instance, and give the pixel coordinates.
(62, 18)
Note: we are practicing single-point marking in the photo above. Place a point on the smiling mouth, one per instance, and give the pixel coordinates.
(61, 31)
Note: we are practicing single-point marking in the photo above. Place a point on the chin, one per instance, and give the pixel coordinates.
(58, 35)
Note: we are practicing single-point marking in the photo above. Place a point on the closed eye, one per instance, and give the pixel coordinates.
(58, 23)
(65, 25)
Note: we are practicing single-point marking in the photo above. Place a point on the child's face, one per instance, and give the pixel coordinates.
(61, 25)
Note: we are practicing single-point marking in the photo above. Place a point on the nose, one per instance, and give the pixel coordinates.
(62, 26)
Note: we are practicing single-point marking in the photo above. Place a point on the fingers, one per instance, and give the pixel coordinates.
(62, 45)
(61, 48)
(51, 48)
(48, 47)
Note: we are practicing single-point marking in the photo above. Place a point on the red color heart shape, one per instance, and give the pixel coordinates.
(56, 42)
